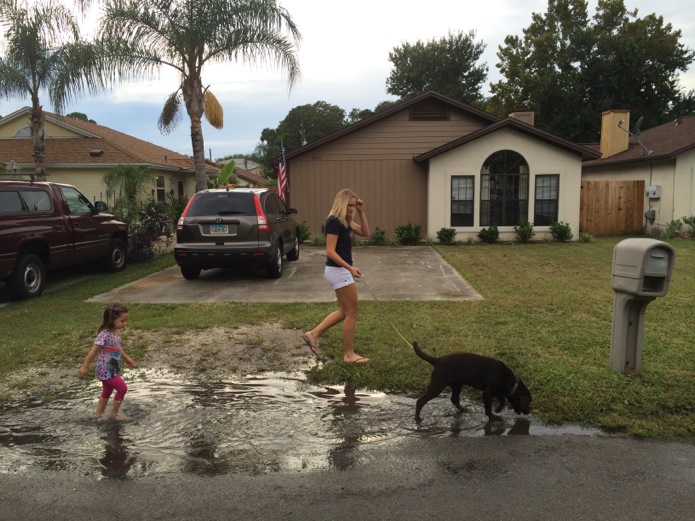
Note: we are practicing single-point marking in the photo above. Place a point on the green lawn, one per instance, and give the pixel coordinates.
(546, 312)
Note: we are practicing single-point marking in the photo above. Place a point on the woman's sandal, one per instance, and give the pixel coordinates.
(314, 347)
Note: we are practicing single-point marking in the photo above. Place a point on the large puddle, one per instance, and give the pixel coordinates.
(260, 424)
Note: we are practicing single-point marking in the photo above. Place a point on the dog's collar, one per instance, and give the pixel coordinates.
(516, 386)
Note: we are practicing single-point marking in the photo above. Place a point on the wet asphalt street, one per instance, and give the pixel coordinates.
(496, 477)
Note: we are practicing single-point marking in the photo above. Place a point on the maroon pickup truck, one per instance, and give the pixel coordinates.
(50, 225)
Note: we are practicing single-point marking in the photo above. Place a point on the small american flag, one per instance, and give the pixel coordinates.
(282, 174)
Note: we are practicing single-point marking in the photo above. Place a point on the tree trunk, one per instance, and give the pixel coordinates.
(193, 98)
(37, 135)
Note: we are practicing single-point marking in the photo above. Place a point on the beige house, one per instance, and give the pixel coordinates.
(439, 163)
(80, 153)
(661, 158)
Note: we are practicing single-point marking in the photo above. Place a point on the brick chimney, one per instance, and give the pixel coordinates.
(615, 136)
(527, 116)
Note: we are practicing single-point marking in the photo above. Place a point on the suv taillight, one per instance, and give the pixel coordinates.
(179, 224)
(260, 216)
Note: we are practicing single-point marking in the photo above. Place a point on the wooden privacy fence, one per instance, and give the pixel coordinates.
(611, 208)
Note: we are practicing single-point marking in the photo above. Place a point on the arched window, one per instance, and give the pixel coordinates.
(504, 189)
(23, 132)
(26, 132)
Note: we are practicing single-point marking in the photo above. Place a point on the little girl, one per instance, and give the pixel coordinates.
(107, 349)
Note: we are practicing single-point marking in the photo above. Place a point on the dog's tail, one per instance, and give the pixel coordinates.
(428, 358)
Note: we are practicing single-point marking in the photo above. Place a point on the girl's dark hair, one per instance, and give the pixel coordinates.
(111, 313)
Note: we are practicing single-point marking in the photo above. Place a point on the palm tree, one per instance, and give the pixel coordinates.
(138, 37)
(42, 51)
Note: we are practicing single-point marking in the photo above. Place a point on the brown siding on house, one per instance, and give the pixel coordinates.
(395, 138)
(611, 208)
(377, 163)
(395, 192)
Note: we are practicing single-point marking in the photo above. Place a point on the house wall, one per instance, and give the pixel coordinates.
(377, 163)
(468, 160)
(674, 176)
(89, 181)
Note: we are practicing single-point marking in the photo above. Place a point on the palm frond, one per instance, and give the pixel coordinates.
(213, 110)
(171, 113)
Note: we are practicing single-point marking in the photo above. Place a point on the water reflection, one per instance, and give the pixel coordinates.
(116, 460)
(261, 424)
(346, 425)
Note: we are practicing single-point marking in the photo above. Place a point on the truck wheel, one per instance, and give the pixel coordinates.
(190, 272)
(28, 278)
(274, 267)
(115, 260)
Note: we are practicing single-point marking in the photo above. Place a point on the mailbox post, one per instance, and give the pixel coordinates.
(642, 271)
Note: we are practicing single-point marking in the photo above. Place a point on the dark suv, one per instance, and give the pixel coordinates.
(222, 228)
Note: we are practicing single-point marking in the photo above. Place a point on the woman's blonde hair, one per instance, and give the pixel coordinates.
(340, 204)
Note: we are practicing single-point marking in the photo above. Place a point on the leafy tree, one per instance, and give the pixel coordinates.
(447, 65)
(138, 37)
(303, 124)
(358, 115)
(81, 116)
(43, 51)
(569, 68)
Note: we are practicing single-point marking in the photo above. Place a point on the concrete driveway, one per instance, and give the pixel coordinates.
(406, 273)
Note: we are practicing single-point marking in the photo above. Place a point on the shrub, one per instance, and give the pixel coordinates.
(586, 237)
(409, 234)
(690, 221)
(303, 231)
(379, 238)
(673, 229)
(447, 236)
(490, 235)
(142, 246)
(561, 232)
(524, 231)
(317, 239)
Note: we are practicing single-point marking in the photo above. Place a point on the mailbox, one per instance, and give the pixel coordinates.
(642, 271)
(642, 267)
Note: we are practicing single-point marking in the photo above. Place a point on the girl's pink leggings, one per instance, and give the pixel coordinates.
(116, 383)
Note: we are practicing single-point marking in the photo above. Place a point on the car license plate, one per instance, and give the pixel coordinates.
(218, 228)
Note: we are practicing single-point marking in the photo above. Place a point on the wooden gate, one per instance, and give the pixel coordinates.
(611, 208)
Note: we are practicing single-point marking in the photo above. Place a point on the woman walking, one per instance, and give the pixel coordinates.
(340, 231)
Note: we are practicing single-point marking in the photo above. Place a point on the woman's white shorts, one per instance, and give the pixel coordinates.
(338, 277)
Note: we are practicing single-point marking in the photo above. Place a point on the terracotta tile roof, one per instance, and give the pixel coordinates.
(96, 145)
(665, 141)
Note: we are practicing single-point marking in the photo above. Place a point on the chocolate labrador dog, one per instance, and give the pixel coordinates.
(486, 374)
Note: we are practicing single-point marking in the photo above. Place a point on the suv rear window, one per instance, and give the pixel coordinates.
(222, 203)
(17, 201)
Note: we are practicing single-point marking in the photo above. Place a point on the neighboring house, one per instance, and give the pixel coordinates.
(245, 164)
(438, 163)
(80, 153)
(660, 161)
(249, 179)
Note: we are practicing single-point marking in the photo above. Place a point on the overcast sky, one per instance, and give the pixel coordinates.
(344, 62)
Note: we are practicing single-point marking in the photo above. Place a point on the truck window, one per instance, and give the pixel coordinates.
(10, 202)
(36, 200)
(77, 203)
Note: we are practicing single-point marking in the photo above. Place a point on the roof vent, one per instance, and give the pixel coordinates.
(96, 153)
(429, 112)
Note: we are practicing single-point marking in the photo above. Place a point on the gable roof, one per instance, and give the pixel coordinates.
(250, 177)
(429, 96)
(519, 126)
(93, 145)
(665, 142)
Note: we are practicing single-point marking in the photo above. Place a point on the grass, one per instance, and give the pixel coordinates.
(547, 312)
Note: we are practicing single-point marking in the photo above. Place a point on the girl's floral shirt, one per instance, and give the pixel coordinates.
(109, 356)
